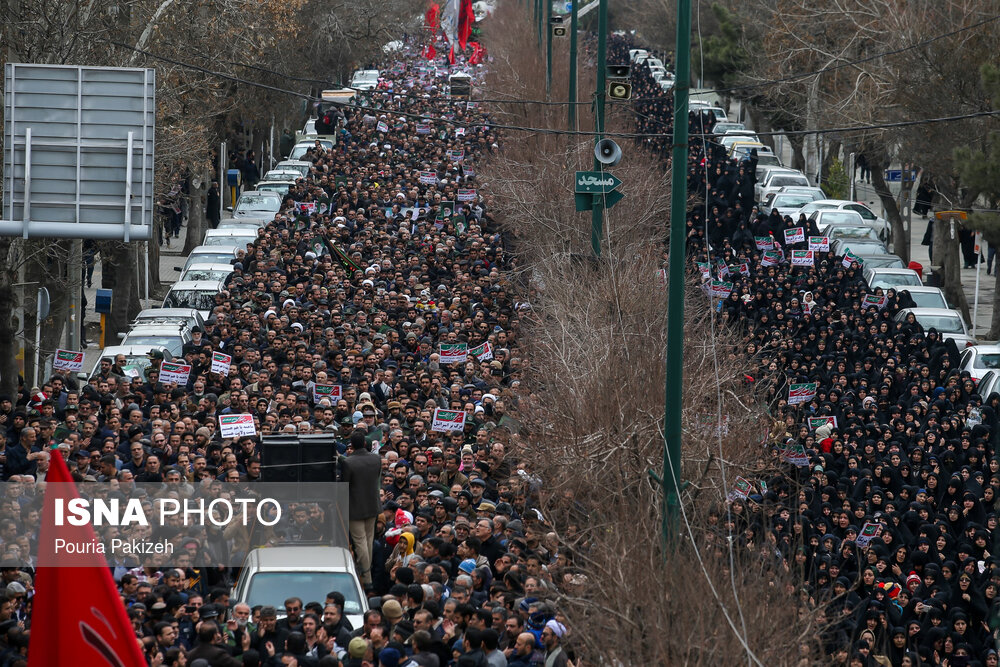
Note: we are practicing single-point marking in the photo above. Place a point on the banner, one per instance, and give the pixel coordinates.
(795, 235)
(815, 422)
(802, 258)
(466, 195)
(720, 290)
(382, 127)
(173, 372)
(763, 242)
(482, 352)
(423, 128)
(428, 177)
(94, 629)
(306, 207)
(802, 392)
(448, 420)
(456, 155)
(770, 258)
(331, 391)
(453, 353)
(67, 360)
(722, 269)
(221, 363)
(820, 243)
(744, 268)
(869, 532)
(235, 426)
(870, 300)
(706, 270)
(851, 258)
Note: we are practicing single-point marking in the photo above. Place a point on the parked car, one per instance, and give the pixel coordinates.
(826, 217)
(276, 186)
(365, 79)
(135, 357)
(891, 278)
(230, 238)
(637, 55)
(197, 294)
(300, 166)
(880, 225)
(779, 177)
(729, 126)
(302, 147)
(989, 383)
(787, 203)
(947, 322)
(926, 296)
(204, 254)
(257, 205)
(883, 261)
(271, 575)
(188, 316)
(172, 336)
(847, 231)
(980, 359)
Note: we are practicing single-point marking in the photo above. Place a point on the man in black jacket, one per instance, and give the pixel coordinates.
(362, 470)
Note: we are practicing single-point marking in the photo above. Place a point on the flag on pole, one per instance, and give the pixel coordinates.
(80, 603)
(465, 19)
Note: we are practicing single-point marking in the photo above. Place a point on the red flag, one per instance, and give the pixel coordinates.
(80, 604)
(465, 19)
(432, 15)
(477, 53)
(451, 55)
(430, 52)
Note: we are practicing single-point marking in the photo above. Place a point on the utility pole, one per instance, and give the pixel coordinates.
(597, 214)
(671, 481)
(548, 48)
(538, 21)
(572, 65)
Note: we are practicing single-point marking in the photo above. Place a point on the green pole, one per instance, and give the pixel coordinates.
(548, 47)
(572, 66)
(597, 214)
(675, 304)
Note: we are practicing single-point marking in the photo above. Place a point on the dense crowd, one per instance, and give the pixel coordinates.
(385, 252)
(883, 499)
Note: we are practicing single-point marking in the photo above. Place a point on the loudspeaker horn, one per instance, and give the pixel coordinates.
(608, 152)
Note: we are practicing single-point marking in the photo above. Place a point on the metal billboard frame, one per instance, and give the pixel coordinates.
(78, 152)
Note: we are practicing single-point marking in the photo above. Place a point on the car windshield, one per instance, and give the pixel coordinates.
(833, 217)
(928, 299)
(280, 188)
(883, 262)
(991, 360)
(249, 203)
(210, 258)
(172, 343)
(273, 588)
(230, 240)
(189, 298)
(895, 280)
(845, 232)
(943, 323)
(206, 274)
(790, 201)
(789, 180)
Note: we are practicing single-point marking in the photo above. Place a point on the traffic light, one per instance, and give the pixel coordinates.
(619, 90)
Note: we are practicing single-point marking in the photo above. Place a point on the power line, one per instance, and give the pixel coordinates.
(553, 131)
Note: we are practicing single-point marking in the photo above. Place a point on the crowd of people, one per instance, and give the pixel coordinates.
(387, 251)
(883, 494)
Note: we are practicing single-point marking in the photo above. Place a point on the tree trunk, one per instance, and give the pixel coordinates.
(811, 140)
(994, 332)
(900, 239)
(8, 325)
(119, 275)
(197, 222)
(949, 267)
(798, 162)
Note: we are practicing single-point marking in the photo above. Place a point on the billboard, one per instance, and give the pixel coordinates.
(78, 152)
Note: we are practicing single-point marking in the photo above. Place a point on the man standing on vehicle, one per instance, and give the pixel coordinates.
(362, 470)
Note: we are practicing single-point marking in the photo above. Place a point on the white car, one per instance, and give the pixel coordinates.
(300, 166)
(826, 217)
(365, 79)
(948, 323)
(172, 336)
(637, 55)
(187, 316)
(270, 575)
(926, 296)
(136, 359)
(257, 205)
(302, 147)
(230, 238)
(980, 359)
(787, 203)
(208, 255)
(197, 294)
(989, 383)
(881, 225)
(779, 177)
(891, 278)
(277, 187)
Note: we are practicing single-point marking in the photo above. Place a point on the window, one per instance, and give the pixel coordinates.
(987, 361)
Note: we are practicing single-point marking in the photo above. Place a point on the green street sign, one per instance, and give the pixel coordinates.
(595, 182)
(586, 201)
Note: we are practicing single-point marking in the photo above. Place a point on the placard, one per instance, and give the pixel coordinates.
(795, 235)
(820, 243)
(236, 426)
(802, 258)
(68, 360)
(221, 363)
(466, 194)
(448, 420)
(452, 353)
(332, 391)
(869, 532)
(482, 352)
(802, 392)
(173, 372)
(428, 177)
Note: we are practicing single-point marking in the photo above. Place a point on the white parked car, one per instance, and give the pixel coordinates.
(980, 359)
(891, 278)
(926, 296)
(365, 79)
(881, 225)
(948, 323)
(197, 294)
(257, 205)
